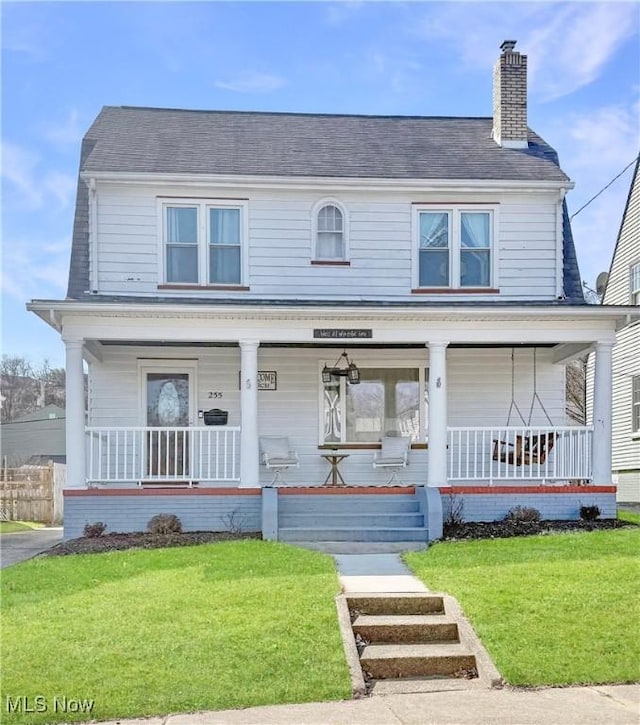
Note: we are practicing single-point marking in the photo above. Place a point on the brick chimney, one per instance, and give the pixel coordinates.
(510, 98)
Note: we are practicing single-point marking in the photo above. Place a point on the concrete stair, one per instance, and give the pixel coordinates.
(337, 519)
(402, 637)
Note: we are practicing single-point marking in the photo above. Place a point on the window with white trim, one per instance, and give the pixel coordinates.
(635, 404)
(385, 402)
(202, 242)
(454, 248)
(330, 242)
(635, 284)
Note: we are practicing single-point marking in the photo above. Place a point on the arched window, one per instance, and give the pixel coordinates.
(330, 233)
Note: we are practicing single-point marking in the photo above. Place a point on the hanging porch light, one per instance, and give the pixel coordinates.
(343, 367)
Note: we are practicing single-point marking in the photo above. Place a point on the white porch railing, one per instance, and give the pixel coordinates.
(135, 454)
(519, 453)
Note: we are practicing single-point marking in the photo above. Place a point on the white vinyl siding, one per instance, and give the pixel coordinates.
(280, 243)
(478, 380)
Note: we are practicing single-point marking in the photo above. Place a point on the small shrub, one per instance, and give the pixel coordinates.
(92, 531)
(455, 511)
(522, 515)
(589, 513)
(165, 524)
(233, 522)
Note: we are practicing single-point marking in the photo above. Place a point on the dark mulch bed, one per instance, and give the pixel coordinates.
(141, 540)
(505, 529)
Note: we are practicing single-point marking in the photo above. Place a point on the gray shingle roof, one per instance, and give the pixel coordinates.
(149, 140)
(288, 144)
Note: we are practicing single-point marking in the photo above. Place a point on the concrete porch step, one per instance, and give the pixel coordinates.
(395, 604)
(358, 520)
(405, 629)
(390, 661)
(352, 534)
(389, 503)
(362, 547)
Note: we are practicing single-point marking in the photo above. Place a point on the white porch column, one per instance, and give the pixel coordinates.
(602, 403)
(249, 448)
(437, 432)
(75, 420)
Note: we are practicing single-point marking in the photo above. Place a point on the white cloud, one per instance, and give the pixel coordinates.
(30, 186)
(67, 132)
(568, 44)
(595, 147)
(33, 268)
(252, 82)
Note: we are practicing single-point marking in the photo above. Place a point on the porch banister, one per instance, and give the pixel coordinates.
(249, 447)
(74, 422)
(602, 404)
(437, 433)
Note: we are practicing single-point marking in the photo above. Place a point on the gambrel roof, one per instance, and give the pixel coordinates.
(149, 140)
(169, 141)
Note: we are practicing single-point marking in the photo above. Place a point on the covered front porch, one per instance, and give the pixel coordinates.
(447, 378)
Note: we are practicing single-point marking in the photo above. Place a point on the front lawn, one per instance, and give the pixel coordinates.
(551, 610)
(216, 626)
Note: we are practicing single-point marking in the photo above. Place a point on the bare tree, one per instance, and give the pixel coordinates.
(25, 388)
(576, 393)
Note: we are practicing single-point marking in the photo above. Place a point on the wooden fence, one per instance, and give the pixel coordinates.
(32, 493)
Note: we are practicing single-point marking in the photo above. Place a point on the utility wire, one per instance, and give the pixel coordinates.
(604, 188)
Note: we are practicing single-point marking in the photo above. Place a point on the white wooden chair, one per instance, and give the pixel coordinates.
(277, 456)
(394, 455)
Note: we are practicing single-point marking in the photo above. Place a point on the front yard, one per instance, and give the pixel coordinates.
(556, 609)
(216, 626)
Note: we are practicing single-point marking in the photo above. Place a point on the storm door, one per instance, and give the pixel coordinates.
(168, 413)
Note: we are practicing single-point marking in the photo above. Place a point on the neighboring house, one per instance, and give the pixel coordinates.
(36, 438)
(225, 260)
(623, 288)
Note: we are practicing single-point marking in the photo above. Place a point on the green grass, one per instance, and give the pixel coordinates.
(225, 625)
(629, 517)
(10, 527)
(551, 610)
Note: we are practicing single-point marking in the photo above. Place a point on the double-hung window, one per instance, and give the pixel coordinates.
(203, 243)
(635, 404)
(454, 248)
(635, 284)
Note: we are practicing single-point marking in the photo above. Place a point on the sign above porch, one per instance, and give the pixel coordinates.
(342, 333)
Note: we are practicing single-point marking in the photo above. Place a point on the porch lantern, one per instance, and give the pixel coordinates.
(348, 369)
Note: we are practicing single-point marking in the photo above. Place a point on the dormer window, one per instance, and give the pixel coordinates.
(330, 233)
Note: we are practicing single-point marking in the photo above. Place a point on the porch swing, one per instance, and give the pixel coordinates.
(526, 449)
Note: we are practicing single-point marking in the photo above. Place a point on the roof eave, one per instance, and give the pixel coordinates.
(335, 182)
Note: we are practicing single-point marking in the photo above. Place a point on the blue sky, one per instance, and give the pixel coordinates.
(61, 62)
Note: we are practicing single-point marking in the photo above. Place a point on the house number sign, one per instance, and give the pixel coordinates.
(342, 333)
(267, 380)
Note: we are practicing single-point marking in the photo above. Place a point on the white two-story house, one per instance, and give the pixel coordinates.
(223, 262)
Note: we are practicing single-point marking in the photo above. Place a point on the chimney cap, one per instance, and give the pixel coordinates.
(508, 45)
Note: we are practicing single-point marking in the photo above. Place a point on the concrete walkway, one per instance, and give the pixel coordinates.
(615, 705)
(384, 573)
(23, 545)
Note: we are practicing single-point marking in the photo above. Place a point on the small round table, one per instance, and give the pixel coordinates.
(334, 474)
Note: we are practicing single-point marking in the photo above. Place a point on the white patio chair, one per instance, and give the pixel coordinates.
(277, 456)
(393, 455)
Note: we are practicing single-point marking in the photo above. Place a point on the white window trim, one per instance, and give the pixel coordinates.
(148, 365)
(422, 389)
(454, 212)
(634, 295)
(634, 433)
(329, 201)
(203, 206)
